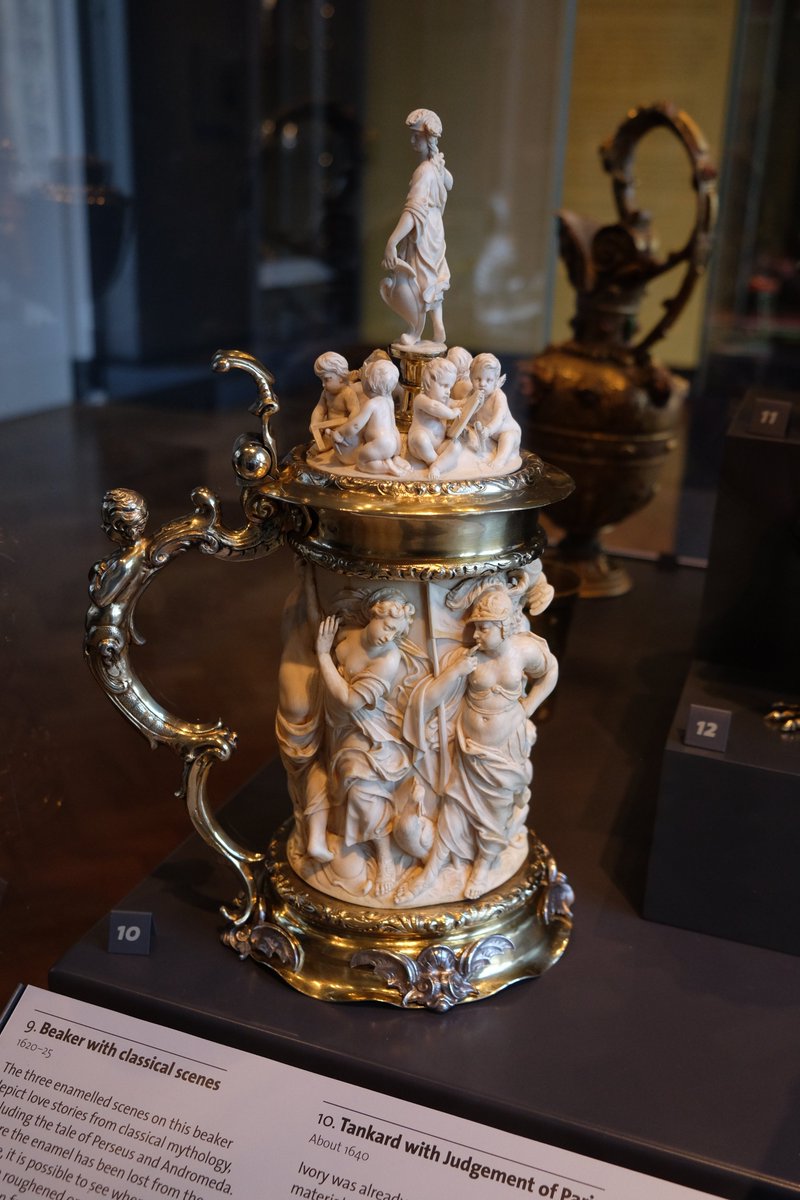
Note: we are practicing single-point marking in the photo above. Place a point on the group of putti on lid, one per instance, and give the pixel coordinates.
(461, 424)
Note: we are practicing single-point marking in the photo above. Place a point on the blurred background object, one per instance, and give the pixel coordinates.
(599, 405)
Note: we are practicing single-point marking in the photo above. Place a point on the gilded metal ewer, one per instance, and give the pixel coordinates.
(409, 678)
(599, 405)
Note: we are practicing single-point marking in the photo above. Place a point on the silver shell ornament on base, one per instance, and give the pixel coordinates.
(410, 677)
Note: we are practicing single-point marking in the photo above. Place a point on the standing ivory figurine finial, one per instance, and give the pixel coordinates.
(415, 252)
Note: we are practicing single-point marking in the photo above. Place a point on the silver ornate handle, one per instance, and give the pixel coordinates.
(116, 583)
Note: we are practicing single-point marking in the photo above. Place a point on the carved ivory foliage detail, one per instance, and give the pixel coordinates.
(404, 724)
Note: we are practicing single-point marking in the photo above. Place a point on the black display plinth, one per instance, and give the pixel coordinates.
(724, 853)
(669, 1052)
(749, 616)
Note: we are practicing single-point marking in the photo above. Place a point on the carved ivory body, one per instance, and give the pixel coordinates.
(405, 709)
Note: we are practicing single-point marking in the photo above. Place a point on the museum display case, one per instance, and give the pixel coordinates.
(247, 186)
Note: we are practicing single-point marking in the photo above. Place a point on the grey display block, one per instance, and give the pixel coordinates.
(669, 1052)
(749, 615)
(725, 845)
(724, 852)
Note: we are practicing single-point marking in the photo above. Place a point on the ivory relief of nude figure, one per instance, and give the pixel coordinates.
(411, 781)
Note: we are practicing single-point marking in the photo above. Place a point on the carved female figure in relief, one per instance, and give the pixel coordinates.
(497, 685)
(415, 252)
(362, 672)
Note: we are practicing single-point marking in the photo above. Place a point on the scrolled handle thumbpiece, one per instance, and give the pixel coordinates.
(115, 586)
(267, 403)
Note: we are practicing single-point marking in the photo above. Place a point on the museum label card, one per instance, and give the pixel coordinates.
(97, 1104)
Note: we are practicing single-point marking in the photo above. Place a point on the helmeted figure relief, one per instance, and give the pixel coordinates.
(527, 586)
(411, 777)
(415, 252)
(493, 688)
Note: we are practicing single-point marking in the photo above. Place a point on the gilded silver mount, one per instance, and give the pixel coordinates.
(427, 957)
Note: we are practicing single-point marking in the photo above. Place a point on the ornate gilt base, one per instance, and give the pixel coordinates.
(428, 957)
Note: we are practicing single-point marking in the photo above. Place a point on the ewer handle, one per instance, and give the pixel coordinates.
(117, 582)
(617, 155)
